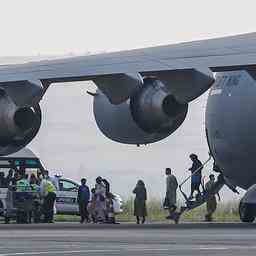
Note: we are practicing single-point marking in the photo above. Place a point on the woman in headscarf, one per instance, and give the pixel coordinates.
(140, 209)
(100, 202)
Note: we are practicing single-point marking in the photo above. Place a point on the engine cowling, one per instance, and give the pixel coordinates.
(151, 114)
(18, 125)
(155, 109)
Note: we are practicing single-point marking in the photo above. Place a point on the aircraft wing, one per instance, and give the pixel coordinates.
(143, 94)
(216, 54)
(219, 53)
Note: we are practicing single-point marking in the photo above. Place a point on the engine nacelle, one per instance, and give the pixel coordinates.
(150, 115)
(18, 125)
(155, 109)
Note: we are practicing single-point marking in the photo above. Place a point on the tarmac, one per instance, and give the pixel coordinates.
(128, 239)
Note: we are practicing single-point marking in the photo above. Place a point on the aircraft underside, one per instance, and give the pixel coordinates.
(143, 97)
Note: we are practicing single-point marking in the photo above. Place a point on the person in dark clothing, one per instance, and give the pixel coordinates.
(211, 204)
(196, 170)
(107, 185)
(83, 198)
(16, 177)
(9, 178)
(48, 207)
(22, 169)
(140, 209)
(3, 181)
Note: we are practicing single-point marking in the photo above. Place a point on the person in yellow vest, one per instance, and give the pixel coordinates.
(22, 184)
(48, 192)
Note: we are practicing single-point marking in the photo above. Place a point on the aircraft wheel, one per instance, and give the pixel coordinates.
(246, 213)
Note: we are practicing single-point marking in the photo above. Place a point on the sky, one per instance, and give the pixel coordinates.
(35, 27)
(69, 140)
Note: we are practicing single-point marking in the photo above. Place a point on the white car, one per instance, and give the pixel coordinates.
(66, 200)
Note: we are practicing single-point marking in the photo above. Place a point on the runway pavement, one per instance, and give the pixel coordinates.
(126, 239)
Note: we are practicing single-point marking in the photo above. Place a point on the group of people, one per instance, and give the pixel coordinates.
(170, 202)
(96, 205)
(19, 181)
(207, 190)
(12, 177)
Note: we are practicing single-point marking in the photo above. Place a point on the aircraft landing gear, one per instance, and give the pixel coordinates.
(247, 206)
(246, 212)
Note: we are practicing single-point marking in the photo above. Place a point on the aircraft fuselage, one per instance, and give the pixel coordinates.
(231, 125)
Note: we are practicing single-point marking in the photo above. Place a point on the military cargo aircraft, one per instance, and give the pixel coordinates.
(143, 96)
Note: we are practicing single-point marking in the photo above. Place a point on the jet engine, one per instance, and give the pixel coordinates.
(151, 114)
(155, 109)
(18, 125)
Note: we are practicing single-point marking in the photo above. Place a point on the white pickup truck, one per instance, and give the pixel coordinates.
(67, 190)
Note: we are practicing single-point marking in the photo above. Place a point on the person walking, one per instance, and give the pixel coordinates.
(106, 184)
(48, 192)
(171, 193)
(140, 209)
(100, 202)
(100, 188)
(196, 171)
(211, 203)
(83, 198)
(92, 206)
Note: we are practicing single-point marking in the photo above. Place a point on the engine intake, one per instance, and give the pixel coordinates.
(18, 125)
(24, 118)
(154, 109)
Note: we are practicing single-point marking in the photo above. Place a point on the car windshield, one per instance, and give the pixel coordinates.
(66, 185)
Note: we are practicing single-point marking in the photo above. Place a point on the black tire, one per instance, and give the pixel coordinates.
(246, 212)
(1, 207)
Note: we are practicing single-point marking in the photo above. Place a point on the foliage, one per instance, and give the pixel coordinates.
(226, 212)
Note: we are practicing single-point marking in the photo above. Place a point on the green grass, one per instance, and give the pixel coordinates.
(67, 218)
(226, 212)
